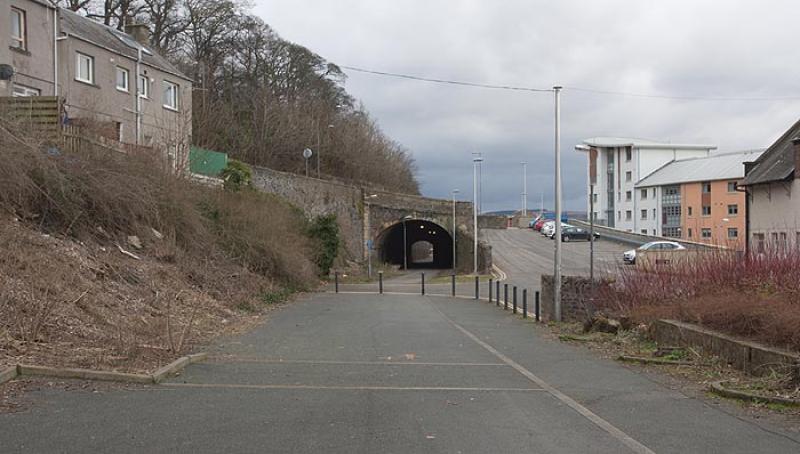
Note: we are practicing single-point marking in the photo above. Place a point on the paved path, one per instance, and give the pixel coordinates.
(390, 374)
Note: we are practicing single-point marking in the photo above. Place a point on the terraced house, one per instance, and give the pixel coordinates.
(109, 81)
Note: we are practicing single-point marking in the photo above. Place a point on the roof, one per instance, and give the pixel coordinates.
(113, 40)
(777, 163)
(643, 143)
(722, 166)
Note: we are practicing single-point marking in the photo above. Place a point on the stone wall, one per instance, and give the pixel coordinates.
(319, 197)
(492, 222)
(576, 298)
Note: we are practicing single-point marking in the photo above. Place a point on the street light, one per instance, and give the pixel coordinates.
(524, 189)
(454, 192)
(405, 243)
(557, 236)
(476, 162)
(319, 155)
(367, 232)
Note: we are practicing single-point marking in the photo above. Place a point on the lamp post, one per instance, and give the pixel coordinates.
(405, 243)
(557, 236)
(454, 192)
(319, 147)
(367, 230)
(476, 162)
(524, 189)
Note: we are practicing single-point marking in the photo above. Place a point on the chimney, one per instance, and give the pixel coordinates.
(139, 32)
(796, 144)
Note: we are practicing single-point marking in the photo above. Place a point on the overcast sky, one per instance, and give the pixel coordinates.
(702, 48)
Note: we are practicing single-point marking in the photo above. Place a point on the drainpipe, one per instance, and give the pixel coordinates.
(138, 97)
(55, 52)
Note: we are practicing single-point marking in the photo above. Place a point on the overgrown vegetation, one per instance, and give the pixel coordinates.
(755, 296)
(261, 98)
(325, 230)
(237, 175)
(109, 260)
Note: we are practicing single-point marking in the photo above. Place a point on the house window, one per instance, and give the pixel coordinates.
(654, 215)
(628, 196)
(644, 194)
(707, 188)
(644, 215)
(84, 68)
(731, 186)
(170, 95)
(619, 215)
(628, 176)
(654, 232)
(705, 233)
(628, 215)
(21, 91)
(759, 239)
(628, 154)
(143, 86)
(783, 243)
(18, 29)
(706, 210)
(654, 193)
(119, 127)
(644, 231)
(594, 198)
(690, 232)
(689, 210)
(733, 210)
(123, 77)
(733, 233)
(672, 232)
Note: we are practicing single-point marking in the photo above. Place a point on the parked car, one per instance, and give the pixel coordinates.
(539, 224)
(549, 229)
(542, 218)
(630, 256)
(576, 233)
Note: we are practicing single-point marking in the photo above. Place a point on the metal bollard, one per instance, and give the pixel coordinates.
(505, 297)
(515, 300)
(524, 303)
(536, 306)
(497, 292)
(336, 281)
(490, 290)
(380, 282)
(477, 287)
(453, 284)
(423, 283)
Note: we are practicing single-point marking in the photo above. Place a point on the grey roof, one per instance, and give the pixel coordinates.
(721, 166)
(643, 143)
(114, 40)
(777, 163)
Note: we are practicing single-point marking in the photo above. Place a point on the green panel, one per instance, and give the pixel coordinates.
(207, 162)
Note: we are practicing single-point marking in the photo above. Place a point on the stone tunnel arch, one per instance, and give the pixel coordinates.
(390, 244)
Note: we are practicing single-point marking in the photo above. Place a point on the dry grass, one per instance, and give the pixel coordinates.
(69, 296)
(756, 296)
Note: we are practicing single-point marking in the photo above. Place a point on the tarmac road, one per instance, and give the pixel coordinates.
(347, 373)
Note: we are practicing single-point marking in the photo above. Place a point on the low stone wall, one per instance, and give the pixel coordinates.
(492, 222)
(576, 298)
(751, 357)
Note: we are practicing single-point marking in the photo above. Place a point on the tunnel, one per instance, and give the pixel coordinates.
(427, 245)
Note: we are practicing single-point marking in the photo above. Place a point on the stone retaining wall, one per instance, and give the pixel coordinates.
(576, 298)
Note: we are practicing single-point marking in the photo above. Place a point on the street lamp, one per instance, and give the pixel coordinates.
(557, 236)
(524, 189)
(405, 243)
(319, 155)
(454, 192)
(476, 162)
(367, 231)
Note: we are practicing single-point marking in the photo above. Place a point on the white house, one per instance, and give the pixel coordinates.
(620, 163)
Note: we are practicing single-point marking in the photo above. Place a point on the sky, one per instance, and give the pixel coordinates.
(678, 48)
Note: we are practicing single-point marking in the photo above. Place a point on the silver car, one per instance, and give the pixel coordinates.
(630, 256)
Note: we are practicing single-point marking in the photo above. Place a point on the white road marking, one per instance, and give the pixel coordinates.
(609, 428)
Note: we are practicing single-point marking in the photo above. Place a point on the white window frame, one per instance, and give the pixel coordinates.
(19, 42)
(20, 91)
(171, 102)
(127, 78)
(143, 86)
(79, 58)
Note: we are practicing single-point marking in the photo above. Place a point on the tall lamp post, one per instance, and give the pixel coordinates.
(557, 236)
(476, 162)
(367, 230)
(454, 192)
(405, 243)
(524, 189)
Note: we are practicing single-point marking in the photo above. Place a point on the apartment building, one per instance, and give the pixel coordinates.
(696, 199)
(110, 81)
(773, 194)
(617, 164)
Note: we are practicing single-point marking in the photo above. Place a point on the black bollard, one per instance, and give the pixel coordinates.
(477, 287)
(336, 281)
(380, 282)
(490, 290)
(497, 292)
(423, 283)
(536, 307)
(515, 300)
(453, 284)
(524, 303)
(505, 297)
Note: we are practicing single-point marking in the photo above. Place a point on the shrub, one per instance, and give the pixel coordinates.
(325, 231)
(237, 175)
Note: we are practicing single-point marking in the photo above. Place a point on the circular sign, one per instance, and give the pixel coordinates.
(307, 153)
(6, 72)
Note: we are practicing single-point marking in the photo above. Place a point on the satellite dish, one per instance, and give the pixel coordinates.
(307, 153)
(6, 72)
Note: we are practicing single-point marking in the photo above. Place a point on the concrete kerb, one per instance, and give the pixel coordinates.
(657, 361)
(87, 374)
(720, 389)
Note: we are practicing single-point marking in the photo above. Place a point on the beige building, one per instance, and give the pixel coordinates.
(773, 190)
(110, 81)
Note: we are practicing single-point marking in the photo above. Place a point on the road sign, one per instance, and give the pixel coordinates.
(307, 153)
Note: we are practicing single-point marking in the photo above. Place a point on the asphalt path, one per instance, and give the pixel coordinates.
(366, 373)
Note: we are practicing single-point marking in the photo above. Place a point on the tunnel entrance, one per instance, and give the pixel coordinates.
(426, 245)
